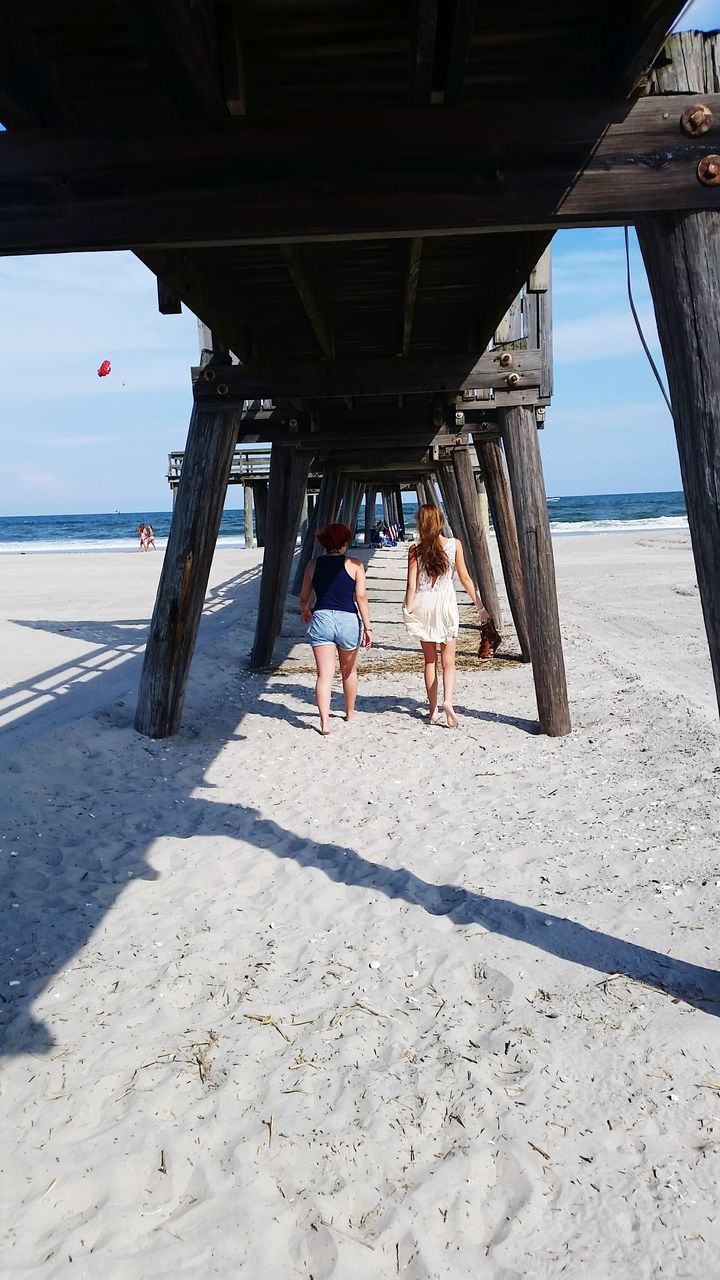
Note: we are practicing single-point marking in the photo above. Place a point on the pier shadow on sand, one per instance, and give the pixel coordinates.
(46, 918)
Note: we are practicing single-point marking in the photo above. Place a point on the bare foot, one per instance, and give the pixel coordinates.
(452, 720)
(349, 715)
(434, 717)
(324, 732)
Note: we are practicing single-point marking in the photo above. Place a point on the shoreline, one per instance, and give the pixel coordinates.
(232, 542)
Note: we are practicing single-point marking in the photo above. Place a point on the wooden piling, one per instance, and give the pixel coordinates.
(519, 433)
(248, 514)
(260, 491)
(185, 571)
(286, 489)
(681, 252)
(370, 495)
(490, 457)
(478, 547)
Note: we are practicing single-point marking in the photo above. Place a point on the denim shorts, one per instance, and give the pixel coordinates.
(333, 626)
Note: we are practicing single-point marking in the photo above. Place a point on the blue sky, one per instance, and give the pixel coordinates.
(74, 442)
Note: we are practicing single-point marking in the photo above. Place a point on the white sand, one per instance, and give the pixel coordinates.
(382, 1004)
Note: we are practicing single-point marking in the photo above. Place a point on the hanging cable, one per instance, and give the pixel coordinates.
(638, 326)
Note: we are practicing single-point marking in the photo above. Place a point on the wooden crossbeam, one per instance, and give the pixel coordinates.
(386, 437)
(460, 34)
(412, 276)
(423, 51)
(179, 39)
(402, 172)
(339, 378)
(308, 294)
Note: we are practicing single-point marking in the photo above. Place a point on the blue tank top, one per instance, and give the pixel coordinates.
(334, 588)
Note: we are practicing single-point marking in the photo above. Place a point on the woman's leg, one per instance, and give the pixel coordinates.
(325, 663)
(431, 680)
(447, 657)
(348, 671)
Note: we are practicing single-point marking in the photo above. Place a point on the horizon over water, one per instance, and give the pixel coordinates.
(115, 531)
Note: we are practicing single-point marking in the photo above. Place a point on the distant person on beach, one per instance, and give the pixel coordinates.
(339, 623)
(141, 533)
(149, 538)
(430, 610)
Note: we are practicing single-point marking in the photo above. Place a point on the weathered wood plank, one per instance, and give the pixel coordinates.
(519, 433)
(477, 546)
(286, 489)
(169, 302)
(423, 51)
(186, 568)
(412, 276)
(260, 497)
(490, 457)
(505, 166)
(682, 259)
(308, 293)
(248, 516)
(179, 39)
(336, 378)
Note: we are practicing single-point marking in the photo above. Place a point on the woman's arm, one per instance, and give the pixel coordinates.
(305, 612)
(467, 582)
(411, 586)
(361, 600)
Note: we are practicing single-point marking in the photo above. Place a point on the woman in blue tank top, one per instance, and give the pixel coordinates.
(340, 619)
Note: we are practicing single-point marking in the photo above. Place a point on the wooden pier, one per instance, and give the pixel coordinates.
(358, 205)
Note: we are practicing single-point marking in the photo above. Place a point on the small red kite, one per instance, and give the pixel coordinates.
(105, 369)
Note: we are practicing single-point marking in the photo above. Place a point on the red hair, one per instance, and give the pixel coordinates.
(333, 537)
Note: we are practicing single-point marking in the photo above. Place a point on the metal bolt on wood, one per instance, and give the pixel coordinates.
(696, 120)
(209, 375)
(222, 388)
(513, 379)
(708, 171)
(505, 359)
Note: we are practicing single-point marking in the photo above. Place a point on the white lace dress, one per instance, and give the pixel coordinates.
(434, 615)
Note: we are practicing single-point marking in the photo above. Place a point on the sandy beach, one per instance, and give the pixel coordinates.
(400, 1002)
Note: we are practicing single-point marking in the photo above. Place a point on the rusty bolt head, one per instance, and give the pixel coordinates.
(209, 375)
(222, 388)
(708, 171)
(506, 359)
(512, 379)
(696, 120)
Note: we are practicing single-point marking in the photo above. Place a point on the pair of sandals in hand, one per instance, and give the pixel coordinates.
(490, 640)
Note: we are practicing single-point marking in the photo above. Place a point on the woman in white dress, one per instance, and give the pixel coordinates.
(430, 610)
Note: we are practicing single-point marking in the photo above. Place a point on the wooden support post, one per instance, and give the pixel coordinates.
(286, 489)
(490, 457)
(385, 507)
(326, 502)
(260, 492)
(248, 512)
(355, 506)
(483, 504)
(421, 494)
(451, 502)
(185, 571)
(304, 518)
(398, 503)
(431, 492)
(478, 546)
(519, 433)
(348, 489)
(681, 252)
(370, 495)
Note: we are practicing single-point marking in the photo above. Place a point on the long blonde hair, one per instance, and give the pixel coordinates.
(430, 551)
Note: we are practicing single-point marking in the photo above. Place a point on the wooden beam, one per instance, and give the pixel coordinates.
(490, 457)
(378, 377)
(500, 167)
(224, 315)
(423, 51)
(461, 32)
(30, 91)
(520, 437)
(179, 40)
(286, 490)
(231, 58)
(185, 571)
(477, 546)
(682, 258)
(306, 287)
(169, 302)
(412, 276)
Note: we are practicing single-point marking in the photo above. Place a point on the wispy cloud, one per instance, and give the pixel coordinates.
(602, 335)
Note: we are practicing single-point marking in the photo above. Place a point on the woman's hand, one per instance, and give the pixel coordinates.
(306, 614)
(367, 637)
(483, 613)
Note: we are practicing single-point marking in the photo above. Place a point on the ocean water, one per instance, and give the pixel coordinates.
(115, 531)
